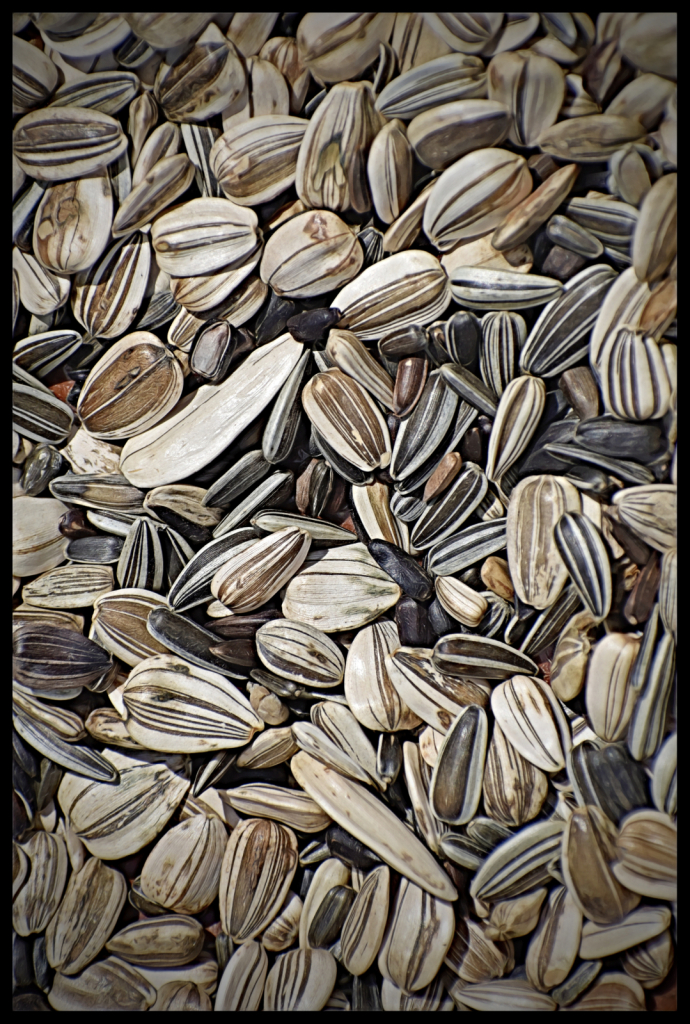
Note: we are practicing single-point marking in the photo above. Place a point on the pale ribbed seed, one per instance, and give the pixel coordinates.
(514, 788)
(172, 707)
(526, 715)
(536, 567)
(560, 337)
(370, 693)
(419, 931)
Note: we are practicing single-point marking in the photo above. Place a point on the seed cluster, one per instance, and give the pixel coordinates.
(344, 533)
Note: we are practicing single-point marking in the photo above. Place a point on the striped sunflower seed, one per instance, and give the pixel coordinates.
(514, 788)
(419, 932)
(258, 866)
(288, 806)
(532, 721)
(203, 711)
(191, 438)
(87, 915)
(474, 195)
(435, 697)
(342, 588)
(589, 841)
(299, 652)
(114, 821)
(408, 288)
(354, 808)
(242, 982)
(181, 871)
(67, 142)
(69, 244)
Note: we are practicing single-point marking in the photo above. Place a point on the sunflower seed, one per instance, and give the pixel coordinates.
(646, 856)
(588, 846)
(301, 979)
(274, 489)
(291, 807)
(258, 866)
(466, 547)
(186, 639)
(457, 780)
(518, 864)
(242, 981)
(391, 843)
(584, 554)
(181, 871)
(67, 142)
(38, 900)
(554, 946)
(435, 697)
(408, 288)
(474, 195)
(69, 586)
(514, 788)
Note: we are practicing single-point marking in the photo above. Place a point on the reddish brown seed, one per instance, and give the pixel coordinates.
(62, 389)
(643, 594)
(444, 474)
(409, 384)
(74, 525)
(302, 487)
(562, 264)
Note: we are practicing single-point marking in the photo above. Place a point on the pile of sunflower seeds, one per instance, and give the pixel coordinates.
(344, 486)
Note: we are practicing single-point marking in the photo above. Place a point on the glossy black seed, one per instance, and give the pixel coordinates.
(314, 324)
(341, 844)
(237, 652)
(472, 577)
(402, 568)
(43, 465)
(189, 641)
(538, 460)
(623, 439)
(463, 332)
(101, 550)
(589, 478)
(471, 446)
(402, 343)
(272, 321)
(412, 620)
(634, 547)
(439, 619)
